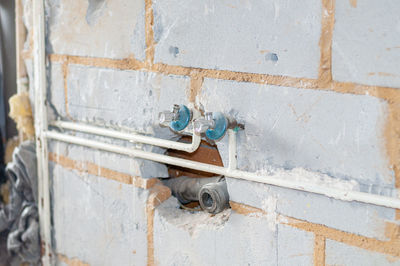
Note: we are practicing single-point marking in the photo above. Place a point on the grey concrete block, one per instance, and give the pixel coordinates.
(117, 162)
(184, 238)
(127, 98)
(341, 254)
(55, 90)
(358, 218)
(274, 37)
(112, 29)
(333, 133)
(99, 221)
(365, 47)
(295, 247)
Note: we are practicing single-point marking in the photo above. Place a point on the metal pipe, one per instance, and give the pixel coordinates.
(211, 192)
(186, 189)
(40, 127)
(214, 197)
(168, 144)
(275, 179)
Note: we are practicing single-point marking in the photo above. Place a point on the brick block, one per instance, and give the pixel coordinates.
(228, 238)
(127, 98)
(341, 254)
(99, 221)
(112, 29)
(337, 134)
(124, 164)
(274, 37)
(56, 95)
(353, 217)
(295, 247)
(366, 39)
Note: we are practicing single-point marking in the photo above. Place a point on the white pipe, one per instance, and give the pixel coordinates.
(275, 180)
(168, 144)
(232, 150)
(40, 127)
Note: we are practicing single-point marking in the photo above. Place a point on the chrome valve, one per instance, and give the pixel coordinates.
(166, 117)
(201, 125)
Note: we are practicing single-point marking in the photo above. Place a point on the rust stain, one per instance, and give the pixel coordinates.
(353, 3)
(158, 194)
(390, 247)
(319, 250)
(150, 43)
(93, 169)
(71, 262)
(325, 43)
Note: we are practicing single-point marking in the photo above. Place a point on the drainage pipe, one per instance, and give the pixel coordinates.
(274, 179)
(168, 144)
(211, 192)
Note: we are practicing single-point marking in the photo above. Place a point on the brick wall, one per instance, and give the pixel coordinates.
(316, 83)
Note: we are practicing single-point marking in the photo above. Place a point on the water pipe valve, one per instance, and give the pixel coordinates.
(215, 125)
(201, 125)
(177, 119)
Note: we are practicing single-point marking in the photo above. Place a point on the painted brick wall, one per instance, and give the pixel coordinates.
(317, 84)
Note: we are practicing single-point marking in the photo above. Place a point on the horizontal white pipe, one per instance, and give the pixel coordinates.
(168, 144)
(346, 195)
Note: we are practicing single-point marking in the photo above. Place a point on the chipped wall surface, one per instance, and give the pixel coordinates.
(96, 28)
(313, 82)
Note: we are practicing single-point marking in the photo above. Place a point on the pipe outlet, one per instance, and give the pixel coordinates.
(214, 197)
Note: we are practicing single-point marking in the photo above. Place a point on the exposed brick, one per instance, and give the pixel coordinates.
(341, 254)
(357, 218)
(56, 89)
(185, 238)
(279, 37)
(97, 220)
(113, 29)
(322, 131)
(295, 247)
(365, 47)
(127, 98)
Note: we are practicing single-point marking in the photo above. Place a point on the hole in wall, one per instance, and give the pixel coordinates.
(271, 57)
(206, 153)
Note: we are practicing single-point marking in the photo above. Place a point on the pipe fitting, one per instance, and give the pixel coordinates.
(211, 192)
(215, 125)
(214, 197)
(177, 119)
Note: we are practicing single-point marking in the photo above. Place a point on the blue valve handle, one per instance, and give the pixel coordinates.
(183, 121)
(219, 130)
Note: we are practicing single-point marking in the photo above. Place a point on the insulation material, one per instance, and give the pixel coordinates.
(21, 112)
